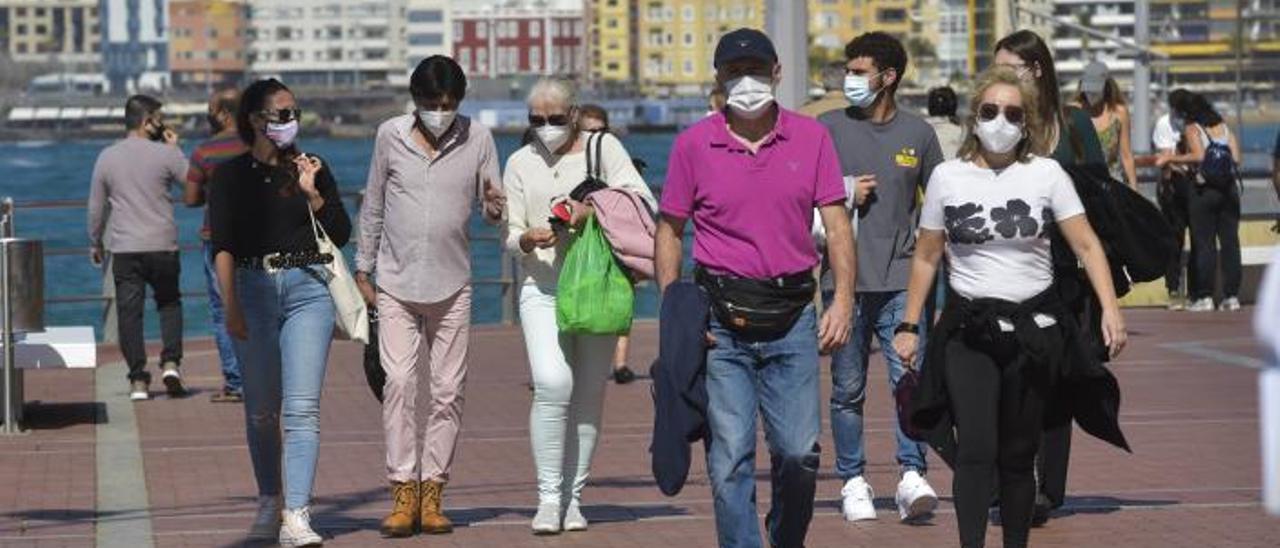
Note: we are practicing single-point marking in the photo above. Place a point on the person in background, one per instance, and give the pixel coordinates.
(595, 118)
(1072, 142)
(569, 371)
(429, 170)
(890, 153)
(223, 145)
(1100, 95)
(833, 86)
(1275, 166)
(716, 100)
(1174, 191)
(942, 116)
(750, 177)
(263, 210)
(1214, 208)
(130, 215)
(982, 371)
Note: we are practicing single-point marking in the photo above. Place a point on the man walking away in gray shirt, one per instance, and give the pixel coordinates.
(890, 154)
(131, 216)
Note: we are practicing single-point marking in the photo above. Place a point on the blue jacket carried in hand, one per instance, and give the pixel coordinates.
(679, 384)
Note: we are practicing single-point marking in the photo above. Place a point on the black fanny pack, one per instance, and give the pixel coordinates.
(758, 309)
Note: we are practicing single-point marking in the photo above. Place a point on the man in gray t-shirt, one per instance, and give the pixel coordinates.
(130, 214)
(890, 154)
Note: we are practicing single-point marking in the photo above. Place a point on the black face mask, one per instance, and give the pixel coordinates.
(215, 125)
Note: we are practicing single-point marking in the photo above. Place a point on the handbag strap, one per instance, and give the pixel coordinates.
(594, 161)
(317, 230)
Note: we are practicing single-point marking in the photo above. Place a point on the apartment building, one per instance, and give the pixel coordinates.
(677, 39)
(612, 29)
(207, 43)
(429, 32)
(521, 39)
(1200, 38)
(329, 43)
(63, 32)
(135, 44)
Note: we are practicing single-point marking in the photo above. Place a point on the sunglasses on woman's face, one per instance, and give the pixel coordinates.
(989, 111)
(282, 116)
(553, 120)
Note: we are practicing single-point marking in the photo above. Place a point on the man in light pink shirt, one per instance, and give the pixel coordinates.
(750, 177)
(429, 168)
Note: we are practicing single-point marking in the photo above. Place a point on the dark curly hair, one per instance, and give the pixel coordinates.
(885, 51)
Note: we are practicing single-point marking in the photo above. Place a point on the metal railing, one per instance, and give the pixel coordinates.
(506, 279)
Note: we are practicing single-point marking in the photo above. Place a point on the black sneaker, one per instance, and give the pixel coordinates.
(173, 381)
(623, 375)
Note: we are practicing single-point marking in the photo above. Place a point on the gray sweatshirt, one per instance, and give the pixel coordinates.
(131, 196)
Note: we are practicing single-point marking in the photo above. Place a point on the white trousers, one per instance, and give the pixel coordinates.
(569, 376)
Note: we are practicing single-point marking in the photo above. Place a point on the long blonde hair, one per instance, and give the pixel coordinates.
(1037, 135)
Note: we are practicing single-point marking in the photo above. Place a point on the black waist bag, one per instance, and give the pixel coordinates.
(758, 309)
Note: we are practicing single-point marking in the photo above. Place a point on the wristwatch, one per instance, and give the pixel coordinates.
(907, 327)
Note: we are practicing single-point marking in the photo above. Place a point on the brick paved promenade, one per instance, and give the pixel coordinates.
(1189, 411)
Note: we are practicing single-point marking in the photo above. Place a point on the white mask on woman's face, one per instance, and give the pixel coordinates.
(552, 137)
(998, 135)
(750, 96)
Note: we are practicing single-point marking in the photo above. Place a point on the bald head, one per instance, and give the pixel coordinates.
(222, 109)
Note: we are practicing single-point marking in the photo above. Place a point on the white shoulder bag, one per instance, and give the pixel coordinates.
(350, 315)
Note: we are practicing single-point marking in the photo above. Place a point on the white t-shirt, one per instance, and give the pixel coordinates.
(996, 224)
(1164, 136)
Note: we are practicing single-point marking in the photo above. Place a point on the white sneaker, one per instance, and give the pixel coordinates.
(915, 498)
(138, 391)
(573, 518)
(1229, 304)
(859, 500)
(295, 529)
(1201, 305)
(266, 523)
(1176, 302)
(547, 521)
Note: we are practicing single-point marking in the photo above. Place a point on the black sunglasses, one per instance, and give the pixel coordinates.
(554, 120)
(282, 116)
(989, 111)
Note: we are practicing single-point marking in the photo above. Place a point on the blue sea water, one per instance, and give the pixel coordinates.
(61, 170)
(46, 170)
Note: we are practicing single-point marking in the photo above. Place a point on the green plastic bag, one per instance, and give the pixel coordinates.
(594, 295)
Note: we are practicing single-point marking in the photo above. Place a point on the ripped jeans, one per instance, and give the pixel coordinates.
(289, 316)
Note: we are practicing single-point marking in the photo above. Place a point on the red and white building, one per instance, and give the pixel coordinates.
(519, 41)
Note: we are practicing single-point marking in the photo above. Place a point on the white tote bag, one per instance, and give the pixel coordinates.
(350, 314)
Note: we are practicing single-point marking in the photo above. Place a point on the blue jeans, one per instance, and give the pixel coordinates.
(231, 380)
(289, 316)
(778, 379)
(875, 313)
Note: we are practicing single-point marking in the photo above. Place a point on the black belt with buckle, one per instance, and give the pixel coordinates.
(281, 261)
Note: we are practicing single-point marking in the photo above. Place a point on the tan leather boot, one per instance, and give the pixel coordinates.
(403, 520)
(434, 521)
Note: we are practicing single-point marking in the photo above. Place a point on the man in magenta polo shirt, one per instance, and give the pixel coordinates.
(750, 178)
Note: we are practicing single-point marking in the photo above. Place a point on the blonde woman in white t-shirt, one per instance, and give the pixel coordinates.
(989, 209)
(569, 371)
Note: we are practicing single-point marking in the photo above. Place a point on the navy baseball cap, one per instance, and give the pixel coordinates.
(744, 43)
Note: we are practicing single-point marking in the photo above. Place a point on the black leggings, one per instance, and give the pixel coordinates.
(999, 418)
(1173, 194)
(1215, 233)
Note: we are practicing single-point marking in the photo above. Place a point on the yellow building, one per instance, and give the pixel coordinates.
(65, 32)
(833, 23)
(676, 40)
(611, 31)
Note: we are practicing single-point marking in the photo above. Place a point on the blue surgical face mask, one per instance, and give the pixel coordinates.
(857, 89)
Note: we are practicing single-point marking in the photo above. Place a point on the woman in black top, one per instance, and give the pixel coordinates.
(279, 311)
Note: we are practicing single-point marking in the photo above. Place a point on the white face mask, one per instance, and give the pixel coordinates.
(437, 121)
(283, 135)
(998, 135)
(750, 96)
(857, 89)
(552, 137)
